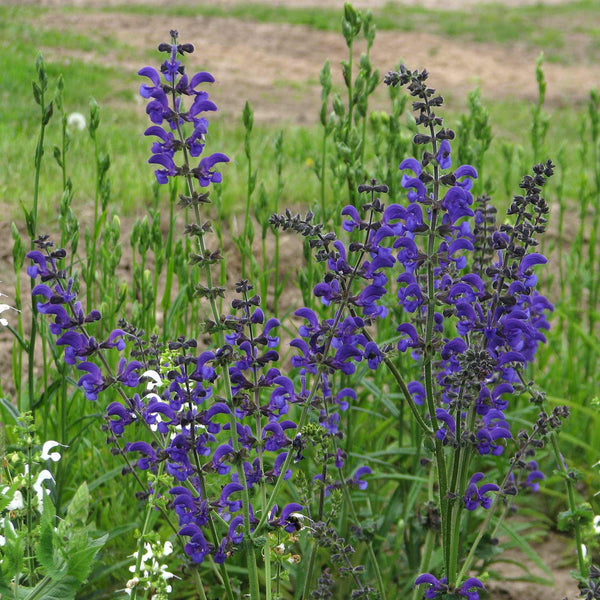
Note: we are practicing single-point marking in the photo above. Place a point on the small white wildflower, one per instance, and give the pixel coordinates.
(39, 489)
(17, 501)
(47, 455)
(155, 380)
(77, 121)
(168, 549)
(3, 308)
(584, 550)
(596, 524)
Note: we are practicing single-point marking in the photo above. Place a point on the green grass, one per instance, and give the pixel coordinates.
(123, 122)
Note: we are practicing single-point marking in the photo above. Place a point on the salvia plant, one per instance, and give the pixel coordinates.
(239, 431)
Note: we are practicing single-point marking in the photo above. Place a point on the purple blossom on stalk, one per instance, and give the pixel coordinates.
(475, 497)
(439, 588)
(166, 105)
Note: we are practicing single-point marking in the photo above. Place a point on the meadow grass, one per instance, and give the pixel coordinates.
(122, 123)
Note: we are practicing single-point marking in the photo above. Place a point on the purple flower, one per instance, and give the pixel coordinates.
(92, 383)
(436, 586)
(287, 519)
(357, 477)
(443, 156)
(197, 548)
(475, 496)
(439, 587)
(204, 173)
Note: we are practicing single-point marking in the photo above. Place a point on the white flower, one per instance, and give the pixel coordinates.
(39, 490)
(596, 524)
(17, 500)
(76, 120)
(155, 382)
(3, 524)
(47, 455)
(3, 308)
(168, 549)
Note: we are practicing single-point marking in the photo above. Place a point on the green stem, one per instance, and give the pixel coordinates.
(372, 557)
(220, 339)
(572, 504)
(461, 460)
(198, 584)
(323, 160)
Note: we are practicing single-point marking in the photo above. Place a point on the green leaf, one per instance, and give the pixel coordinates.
(45, 549)
(11, 409)
(80, 561)
(13, 551)
(48, 589)
(79, 507)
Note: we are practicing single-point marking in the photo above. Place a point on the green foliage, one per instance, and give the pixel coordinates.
(44, 555)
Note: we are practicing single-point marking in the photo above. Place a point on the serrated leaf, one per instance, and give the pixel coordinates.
(80, 561)
(79, 507)
(13, 552)
(48, 515)
(45, 549)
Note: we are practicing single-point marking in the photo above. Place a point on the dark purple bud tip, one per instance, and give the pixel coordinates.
(189, 48)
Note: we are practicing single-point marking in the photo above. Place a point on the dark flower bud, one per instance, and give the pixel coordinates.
(421, 138)
(183, 48)
(448, 179)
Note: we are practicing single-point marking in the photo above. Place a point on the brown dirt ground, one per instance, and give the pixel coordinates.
(276, 68)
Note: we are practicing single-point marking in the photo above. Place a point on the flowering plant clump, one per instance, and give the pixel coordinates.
(37, 551)
(218, 418)
(243, 452)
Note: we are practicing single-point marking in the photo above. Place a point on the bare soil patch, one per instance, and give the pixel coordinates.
(276, 66)
(373, 4)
